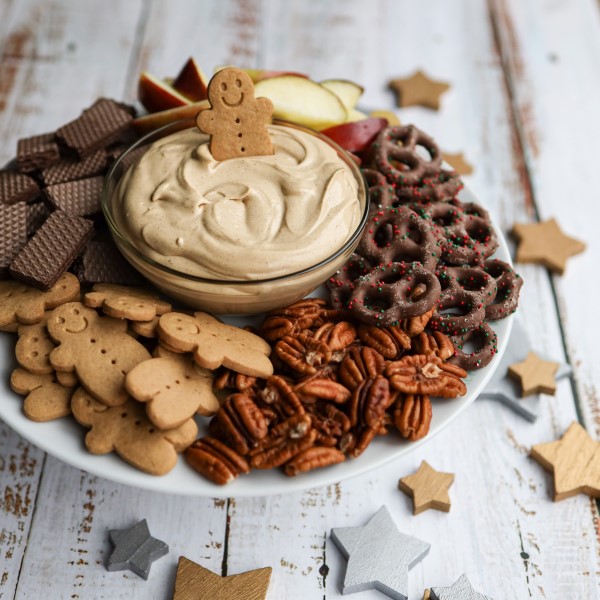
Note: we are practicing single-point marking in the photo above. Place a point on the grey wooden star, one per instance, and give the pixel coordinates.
(505, 389)
(379, 556)
(135, 549)
(461, 590)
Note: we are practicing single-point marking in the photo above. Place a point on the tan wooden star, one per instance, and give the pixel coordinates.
(535, 375)
(575, 462)
(458, 162)
(194, 582)
(428, 488)
(545, 243)
(419, 90)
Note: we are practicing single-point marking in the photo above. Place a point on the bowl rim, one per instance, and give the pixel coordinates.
(183, 124)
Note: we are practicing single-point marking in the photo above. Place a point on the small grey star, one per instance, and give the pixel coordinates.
(505, 389)
(135, 549)
(379, 556)
(461, 590)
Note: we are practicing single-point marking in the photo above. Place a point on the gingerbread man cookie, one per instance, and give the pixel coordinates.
(214, 343)
(236, 120)
(22, 303)
(34, 346)
(174, 388)
(46, 399)
(127, 430)
(97, 348)
(122, 302)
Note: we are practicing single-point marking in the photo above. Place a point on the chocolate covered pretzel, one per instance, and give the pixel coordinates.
(398, 235)
(412, 162)
(509, 286)
(485, 340)
(464, 230)
(387, 294)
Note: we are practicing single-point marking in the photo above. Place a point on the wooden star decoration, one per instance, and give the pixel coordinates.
(507, 390)
(379, 556)
(461, 589)
(458, 162)
(194, 582)
(428, 488)
(536, 376)
(135, 549)
(545, 243)
(419, 90)
(574, 461)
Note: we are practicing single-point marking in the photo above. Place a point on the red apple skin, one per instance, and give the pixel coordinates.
(152, 121)
(157, 95)
(356, 136)
(191, 82)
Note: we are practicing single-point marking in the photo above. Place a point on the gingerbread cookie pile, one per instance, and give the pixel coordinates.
(50, 201)
(425, 250)
(80, 356)
(338, 384)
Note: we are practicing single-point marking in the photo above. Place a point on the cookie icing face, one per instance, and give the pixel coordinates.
(230, 88)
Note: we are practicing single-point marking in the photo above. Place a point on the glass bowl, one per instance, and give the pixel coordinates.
(221, 296)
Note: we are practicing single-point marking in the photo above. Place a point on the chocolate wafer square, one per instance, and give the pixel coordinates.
(16, 187)
(101, 262)
(70, 169)
(37, 213)
(80, 198)
(37, 152)
(52, 250)
(13, 233)
(98, 126)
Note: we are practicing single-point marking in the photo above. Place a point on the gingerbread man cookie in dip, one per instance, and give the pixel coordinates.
(236, 120)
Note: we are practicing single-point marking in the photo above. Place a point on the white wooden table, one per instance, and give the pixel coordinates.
(524, 107)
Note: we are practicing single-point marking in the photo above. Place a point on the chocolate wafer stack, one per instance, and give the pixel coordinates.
(50, 203)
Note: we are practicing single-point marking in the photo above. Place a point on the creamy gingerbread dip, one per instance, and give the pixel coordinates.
(242, 218)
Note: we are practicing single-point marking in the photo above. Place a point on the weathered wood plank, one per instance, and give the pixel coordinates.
(68, 545)
(552, 50)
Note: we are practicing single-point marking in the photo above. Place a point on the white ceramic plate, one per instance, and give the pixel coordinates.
(64, 438)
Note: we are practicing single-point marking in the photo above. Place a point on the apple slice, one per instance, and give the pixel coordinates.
(391, 117)
(157, 95)
(355, 115)
(355, 136)
(259, 74)
(347, 91)
(191, 81)
(303, 101)
(152, 121)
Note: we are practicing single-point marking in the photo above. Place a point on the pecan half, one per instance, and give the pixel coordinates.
(279, 395)
(426, 375)
(322, 389)
(215, 460)
(359, 364)
(282, 448)
(367, 409)
(303, 353)
(436, 343)
(330, 422)
(390, 341)
(304, 311)
(412, 416)
(229, 379)
(337, 336)
(313, 458)
(240, 423)
(415, 325)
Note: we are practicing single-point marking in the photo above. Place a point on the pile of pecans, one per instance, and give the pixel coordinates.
(338, 384)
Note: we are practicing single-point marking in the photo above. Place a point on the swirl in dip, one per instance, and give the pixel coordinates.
(247, 218)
